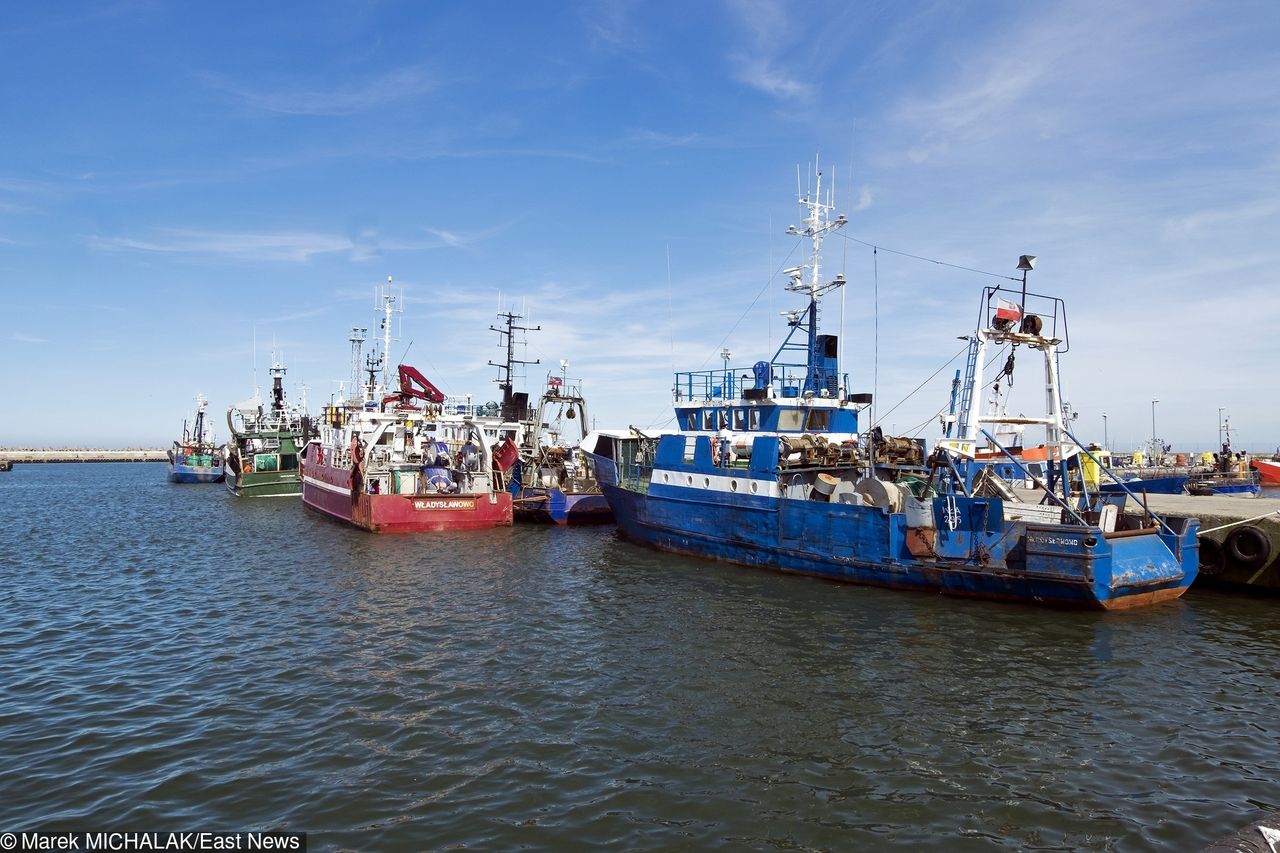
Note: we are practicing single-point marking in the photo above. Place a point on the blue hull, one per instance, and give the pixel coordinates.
(866, 545)
(189, 474)
(542, 506)
(1174, 484)
(1238, 489)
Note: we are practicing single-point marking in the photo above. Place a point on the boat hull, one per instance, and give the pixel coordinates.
(553, 506)
(1268, 469)
(328, 490)
(179, 473)
(864, 545)
(1172, 484)
(1236, 490)
(270, 485)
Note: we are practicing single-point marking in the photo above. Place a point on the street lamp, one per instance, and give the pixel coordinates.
(728, 377)
(1154, 443)
(1106, 443)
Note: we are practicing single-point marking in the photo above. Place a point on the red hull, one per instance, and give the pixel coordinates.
(328, 490)
(1269, 470)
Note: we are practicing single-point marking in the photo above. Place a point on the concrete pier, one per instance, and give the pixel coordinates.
(83, 455)
(1239, 541)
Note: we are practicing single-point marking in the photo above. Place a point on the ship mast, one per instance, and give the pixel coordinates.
(821, 363)
(388, 310)
(357, 344)
(505, 379)
(277, 385)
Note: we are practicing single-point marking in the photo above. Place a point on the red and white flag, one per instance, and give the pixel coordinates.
(1006, 310)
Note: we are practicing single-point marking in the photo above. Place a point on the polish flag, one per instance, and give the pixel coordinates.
(1006, 310)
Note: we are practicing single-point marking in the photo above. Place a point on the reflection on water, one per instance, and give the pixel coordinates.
(173, 658)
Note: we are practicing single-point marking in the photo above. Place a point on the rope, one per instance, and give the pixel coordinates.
(1242, 521)
(873, 246)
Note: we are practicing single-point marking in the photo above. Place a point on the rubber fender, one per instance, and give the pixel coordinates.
(1249, 547)
(1213, 559)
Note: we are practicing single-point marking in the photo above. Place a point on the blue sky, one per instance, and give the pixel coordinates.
(180, 178)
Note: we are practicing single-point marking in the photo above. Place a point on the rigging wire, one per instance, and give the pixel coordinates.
(875, 246)
(921, 385)
(875, 364)
(767, 285)
(982, 390)
(930, 379)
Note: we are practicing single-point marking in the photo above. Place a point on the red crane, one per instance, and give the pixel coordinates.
(414, 386)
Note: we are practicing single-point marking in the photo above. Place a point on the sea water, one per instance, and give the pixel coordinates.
(174, 658)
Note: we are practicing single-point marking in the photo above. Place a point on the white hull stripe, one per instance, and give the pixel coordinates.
(716, 483)
(328, 487)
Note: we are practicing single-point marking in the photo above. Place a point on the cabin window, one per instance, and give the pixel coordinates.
(791, 420)
(288, 461)
(709, 419)
(739, 419)
(691, 420)
(753, 419)
(819, 420)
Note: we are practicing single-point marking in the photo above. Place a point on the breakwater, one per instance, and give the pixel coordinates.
(83, 455)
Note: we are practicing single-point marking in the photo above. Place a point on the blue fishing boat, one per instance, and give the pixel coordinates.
(770, 469)
(1231, 473)
(553, 482)
(195, 458)
(1154, 482)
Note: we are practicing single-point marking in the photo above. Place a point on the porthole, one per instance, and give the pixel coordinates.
(706, 482)
(733, 485)
(666, 478)
(689, 479)
(755, 487)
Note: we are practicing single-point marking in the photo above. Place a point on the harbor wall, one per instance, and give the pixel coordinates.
(83, 455)
(1240, 538)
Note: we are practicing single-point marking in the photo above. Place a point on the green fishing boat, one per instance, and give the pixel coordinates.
(262, 456)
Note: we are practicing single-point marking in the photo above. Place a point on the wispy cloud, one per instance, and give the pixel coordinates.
(347, 99)
(758, 64)
(271, 246)
(28, 339)
(290, 246)
(610, 23)
(656, 139)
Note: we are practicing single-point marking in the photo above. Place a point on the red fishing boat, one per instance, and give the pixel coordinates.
(400, 463)
(1269, 469)
(396, 466)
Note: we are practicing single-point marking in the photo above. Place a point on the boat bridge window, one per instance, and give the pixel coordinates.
(791, 419)
(819, 420)
(691, 420)
(740, 419)
(710, 419)
(288, 461)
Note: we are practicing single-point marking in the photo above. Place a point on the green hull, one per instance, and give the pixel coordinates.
(272, 484)
(262, 456)
(264, 464)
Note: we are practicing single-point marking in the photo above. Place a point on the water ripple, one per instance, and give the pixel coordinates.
(174, 659)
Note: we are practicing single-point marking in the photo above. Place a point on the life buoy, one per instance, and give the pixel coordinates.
(1213, 560)
(1249, 547)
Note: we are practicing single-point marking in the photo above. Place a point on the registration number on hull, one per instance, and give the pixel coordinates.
(444, 503)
